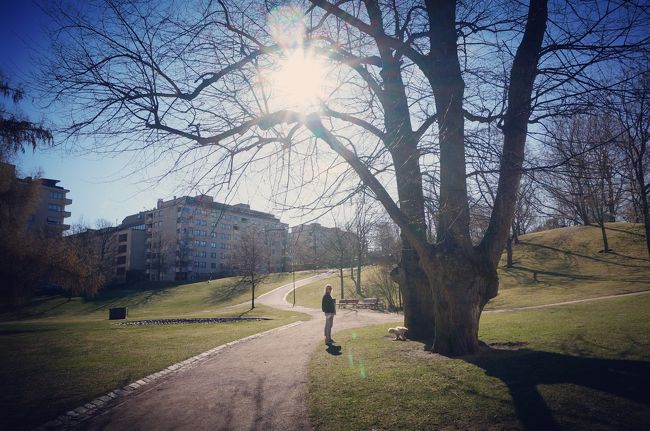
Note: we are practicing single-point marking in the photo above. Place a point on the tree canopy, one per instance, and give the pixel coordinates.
(398, 93)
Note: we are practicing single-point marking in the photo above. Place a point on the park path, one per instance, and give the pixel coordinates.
(258, 384)
(575, 301)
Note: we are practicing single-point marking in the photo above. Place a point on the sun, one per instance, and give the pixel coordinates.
(298, 81)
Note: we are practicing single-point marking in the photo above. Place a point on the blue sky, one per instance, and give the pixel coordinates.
(100, 187)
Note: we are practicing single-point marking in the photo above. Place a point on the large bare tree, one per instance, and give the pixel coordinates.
(407, 84)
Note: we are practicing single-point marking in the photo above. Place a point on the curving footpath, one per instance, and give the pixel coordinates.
(259, 383)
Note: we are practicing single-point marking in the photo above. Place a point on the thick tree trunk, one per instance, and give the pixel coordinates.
(462, 285)
(416, 295)
(341, 277)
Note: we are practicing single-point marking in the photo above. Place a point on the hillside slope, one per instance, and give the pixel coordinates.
(568, 263)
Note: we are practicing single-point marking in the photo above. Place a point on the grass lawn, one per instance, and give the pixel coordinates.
(585, 366)
(199, 299)
(59, 354)
(565, 264)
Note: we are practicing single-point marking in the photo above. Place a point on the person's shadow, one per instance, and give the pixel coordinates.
(523, 370)
(333, 349)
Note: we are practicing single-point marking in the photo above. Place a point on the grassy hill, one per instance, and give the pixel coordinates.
(552, 266)
(568, 263)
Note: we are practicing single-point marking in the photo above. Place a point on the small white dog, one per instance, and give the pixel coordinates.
(398, 332)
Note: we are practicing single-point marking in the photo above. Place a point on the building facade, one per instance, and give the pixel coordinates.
(193, 238)
(316, 246)
(48, 201)
(130, 249)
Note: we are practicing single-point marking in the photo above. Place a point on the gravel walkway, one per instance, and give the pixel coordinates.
(258, 384)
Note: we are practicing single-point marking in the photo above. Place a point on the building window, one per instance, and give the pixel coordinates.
(213, 265)
(54, 207)
(53, 220)
(120, 271)
(213, 255)
(121, 260)
(121, 238)
(213, 244)
(56, 195)
(204, 243)
(121, 248)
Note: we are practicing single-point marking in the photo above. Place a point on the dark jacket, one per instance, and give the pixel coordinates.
(328, 304)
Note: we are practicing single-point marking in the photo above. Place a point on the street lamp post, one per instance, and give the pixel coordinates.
(293, 270)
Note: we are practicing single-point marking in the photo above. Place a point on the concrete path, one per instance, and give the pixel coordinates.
(259, 384)
(575, 301)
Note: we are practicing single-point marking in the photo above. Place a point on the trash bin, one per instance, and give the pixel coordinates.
(117, 313)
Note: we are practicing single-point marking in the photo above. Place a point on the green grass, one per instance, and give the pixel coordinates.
(566, 264)
(63, 353)
(583, 366)
(152, 300)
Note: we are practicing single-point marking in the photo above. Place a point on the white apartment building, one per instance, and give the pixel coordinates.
(192, 238)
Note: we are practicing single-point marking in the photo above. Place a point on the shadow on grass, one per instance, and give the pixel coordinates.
(629, 232)
(569, 276)
(226, 292)
(584, 256)
(524, 369)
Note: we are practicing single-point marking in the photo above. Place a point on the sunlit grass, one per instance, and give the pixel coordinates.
(566, 264)
(577, 367)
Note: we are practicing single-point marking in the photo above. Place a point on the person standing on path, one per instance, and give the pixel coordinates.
(329, 308)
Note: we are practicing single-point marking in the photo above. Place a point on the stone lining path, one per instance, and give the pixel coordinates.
(258, 383)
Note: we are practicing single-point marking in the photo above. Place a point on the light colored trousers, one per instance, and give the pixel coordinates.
(329, 321)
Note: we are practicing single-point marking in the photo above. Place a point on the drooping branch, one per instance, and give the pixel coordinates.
(315, 125)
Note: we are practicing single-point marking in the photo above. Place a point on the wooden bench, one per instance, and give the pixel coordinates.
(345, 302)
(372, 303)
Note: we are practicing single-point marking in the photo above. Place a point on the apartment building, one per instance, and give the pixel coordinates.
(193, 238)
(316, 246)
(130, 248)
(49, 203)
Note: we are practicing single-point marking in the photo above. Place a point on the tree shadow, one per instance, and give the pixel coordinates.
(225, 292)
(629, 232)
(584, 256)
(642, 259)
(244, 313)
(523, 370)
